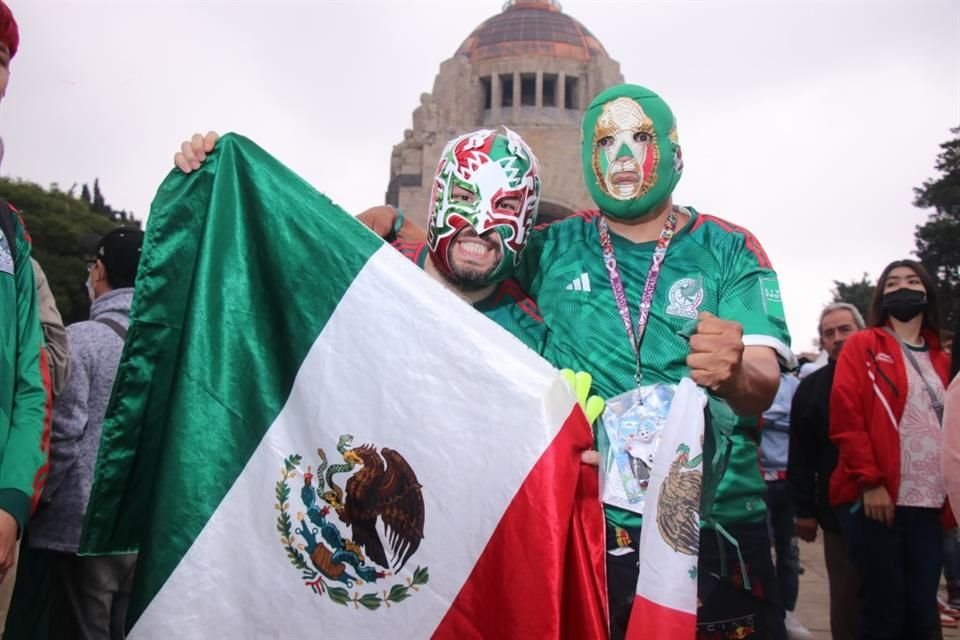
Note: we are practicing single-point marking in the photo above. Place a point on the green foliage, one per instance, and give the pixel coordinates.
(284, 523)
(420, 576)
(859, 294)
(292, 462)
(398, 593)
(339, 595)
(938, 239)
(60, 224)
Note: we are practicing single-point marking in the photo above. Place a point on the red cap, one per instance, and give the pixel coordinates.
(9, 34)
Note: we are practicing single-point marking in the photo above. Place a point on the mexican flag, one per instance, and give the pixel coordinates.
(308, 436)
(666, 602)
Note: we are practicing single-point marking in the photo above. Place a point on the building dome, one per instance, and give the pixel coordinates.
(531, 68)
(531, 28)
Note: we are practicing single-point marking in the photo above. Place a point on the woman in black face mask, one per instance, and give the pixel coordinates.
(886, 411)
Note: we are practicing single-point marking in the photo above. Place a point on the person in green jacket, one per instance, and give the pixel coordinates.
(23, 398)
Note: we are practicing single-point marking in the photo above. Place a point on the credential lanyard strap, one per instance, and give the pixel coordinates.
(653, 274)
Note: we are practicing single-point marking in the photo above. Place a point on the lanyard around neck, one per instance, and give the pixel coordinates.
(616, 281)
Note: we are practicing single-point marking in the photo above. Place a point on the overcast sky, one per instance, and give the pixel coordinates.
(807, 122)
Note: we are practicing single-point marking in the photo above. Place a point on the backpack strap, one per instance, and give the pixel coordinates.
(118, 328)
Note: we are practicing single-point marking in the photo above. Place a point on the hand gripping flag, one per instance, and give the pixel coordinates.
(309, 436)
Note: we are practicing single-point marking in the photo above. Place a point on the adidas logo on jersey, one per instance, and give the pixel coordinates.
(580, 283)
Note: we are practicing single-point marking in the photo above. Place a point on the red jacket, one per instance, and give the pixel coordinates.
(866, 403)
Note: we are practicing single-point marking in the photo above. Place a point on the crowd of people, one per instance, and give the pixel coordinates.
(866, 448)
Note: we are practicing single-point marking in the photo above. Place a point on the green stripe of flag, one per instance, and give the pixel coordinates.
(233, 289)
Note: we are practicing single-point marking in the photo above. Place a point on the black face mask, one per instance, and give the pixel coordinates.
(904, 304)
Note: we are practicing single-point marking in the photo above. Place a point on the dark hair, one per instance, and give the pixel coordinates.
(116, 280)
(931, 314)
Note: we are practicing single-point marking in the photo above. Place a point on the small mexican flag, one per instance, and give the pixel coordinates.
(666, 602)
(308, 436)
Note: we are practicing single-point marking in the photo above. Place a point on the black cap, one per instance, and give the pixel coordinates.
(119, 251)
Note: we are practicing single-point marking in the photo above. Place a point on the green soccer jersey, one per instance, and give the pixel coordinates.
(710, 265)
(509, 306)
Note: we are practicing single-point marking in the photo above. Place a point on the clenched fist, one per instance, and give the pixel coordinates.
(716, 353)
(379, 219)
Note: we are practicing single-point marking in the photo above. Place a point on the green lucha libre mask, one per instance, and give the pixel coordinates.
(485, 182)
(631, 157)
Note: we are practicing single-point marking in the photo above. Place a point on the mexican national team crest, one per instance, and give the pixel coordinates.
(359, 532)
(685, 297)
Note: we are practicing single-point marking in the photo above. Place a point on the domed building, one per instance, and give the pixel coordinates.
(532, 68)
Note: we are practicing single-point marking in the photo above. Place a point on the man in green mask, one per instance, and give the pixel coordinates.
(644, 292)
(689, 274)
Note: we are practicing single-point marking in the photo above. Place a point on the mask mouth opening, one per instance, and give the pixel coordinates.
(474, 258)
(626, 176)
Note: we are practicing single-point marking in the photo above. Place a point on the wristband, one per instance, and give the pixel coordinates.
(398, 220)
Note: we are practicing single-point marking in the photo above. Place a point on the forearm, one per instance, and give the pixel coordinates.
(70, 414)
(754, 385)
(385, 221)
(803, 489)
(855, 451)
(63, 457)
(801, 477)
(848, 426)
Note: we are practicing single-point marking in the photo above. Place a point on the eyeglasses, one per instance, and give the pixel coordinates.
(91, 264)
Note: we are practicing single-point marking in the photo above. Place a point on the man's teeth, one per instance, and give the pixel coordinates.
(475, 248)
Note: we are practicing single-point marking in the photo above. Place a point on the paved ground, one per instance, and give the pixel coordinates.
(813, 605)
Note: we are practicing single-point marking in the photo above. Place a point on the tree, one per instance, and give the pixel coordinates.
(859, 294)
(99, 204)
(938, 239)
(61, 227)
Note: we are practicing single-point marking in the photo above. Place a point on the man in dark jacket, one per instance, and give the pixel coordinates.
(813, 458)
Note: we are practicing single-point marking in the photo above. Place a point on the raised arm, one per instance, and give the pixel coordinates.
(747, 377)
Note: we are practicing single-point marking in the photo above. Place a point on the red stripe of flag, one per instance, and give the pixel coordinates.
(542, 573)
(651, 620)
